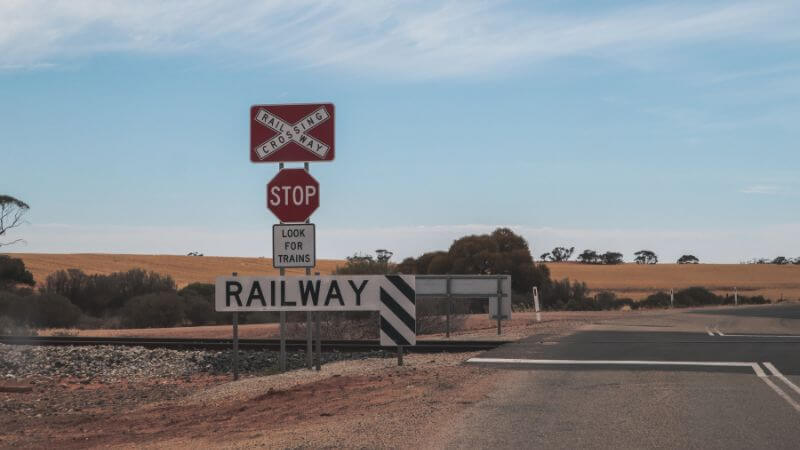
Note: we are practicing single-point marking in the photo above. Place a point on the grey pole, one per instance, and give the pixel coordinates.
(235, 342)
(319, 336)
(309, 345)
(283, 334)
(318, 332)
(499, 305)
(282, 315)
(736, 296)
(449, 306)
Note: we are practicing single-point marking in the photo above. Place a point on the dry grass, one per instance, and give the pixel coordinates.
(183, 269)
(637, 281)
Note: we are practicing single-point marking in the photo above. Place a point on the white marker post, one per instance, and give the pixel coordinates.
(672, 298)
(735, 296)
(536, 304)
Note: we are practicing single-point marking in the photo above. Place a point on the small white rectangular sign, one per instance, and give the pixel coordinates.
(294, 245)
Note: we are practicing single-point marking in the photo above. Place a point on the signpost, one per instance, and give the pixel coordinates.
(293, 245)
(293, 195)
(292, 133)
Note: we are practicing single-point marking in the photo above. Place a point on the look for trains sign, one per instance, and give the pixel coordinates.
(291, 133)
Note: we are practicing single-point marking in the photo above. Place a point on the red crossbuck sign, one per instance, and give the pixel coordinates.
(289, 133)
(293, 195)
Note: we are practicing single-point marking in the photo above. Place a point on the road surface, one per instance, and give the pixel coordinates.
(724, 378)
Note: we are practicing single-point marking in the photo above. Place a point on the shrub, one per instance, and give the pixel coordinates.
(198, 310)
(46, 310)
(164, 309)
(13, 272)
(53, 311)
(97, 294)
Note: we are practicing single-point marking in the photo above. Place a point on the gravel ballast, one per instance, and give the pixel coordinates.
(114, 362)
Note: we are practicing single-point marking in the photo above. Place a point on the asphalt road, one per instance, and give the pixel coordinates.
(724, 378)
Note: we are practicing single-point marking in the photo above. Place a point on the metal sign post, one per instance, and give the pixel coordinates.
(449, 306)
(499, 306)
(235, 343)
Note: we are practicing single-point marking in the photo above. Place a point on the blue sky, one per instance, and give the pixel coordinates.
(609, 125)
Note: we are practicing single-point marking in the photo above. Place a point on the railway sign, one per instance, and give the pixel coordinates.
(293, 245)
(393, 296)
(293, 195)
(292, 133)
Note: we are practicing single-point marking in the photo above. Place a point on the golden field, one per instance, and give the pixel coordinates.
(629, 280)
(637, 281)
(183, 269)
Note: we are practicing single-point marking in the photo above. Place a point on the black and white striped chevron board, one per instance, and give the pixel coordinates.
(393, 296)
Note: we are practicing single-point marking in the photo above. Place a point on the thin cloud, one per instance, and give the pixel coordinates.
(762, 189)
(400, 39)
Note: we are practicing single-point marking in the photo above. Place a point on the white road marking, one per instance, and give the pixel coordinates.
(780, 392)
(764, 335)
(614, 362)
(774, 370)
(709, 332)
(754, 366)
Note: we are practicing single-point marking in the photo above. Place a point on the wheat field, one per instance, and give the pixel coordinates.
(638, 281)
(183, 269)
(628, 280)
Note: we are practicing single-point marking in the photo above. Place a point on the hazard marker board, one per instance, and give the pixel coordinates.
(393, 296)
(293, 195)
(292, 133)
(293, 245)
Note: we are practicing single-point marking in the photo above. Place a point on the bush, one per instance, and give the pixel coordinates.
(198, 310)
(100, 294)
(46, 310)
(53, 311)
(13, 272)
(163, 309)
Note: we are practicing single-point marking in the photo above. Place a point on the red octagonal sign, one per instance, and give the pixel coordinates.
(293, 195)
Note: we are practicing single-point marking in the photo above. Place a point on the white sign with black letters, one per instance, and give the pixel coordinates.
(294, 245)
(392, 296)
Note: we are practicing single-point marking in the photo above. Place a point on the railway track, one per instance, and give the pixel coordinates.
(423, 346)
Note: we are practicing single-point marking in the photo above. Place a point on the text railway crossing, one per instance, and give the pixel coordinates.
(294, 132)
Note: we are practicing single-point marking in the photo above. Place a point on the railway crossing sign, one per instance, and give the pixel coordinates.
(393, 296)
(292, 133)
(293, 195)
(293, 245)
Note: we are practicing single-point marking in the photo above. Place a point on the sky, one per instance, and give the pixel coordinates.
(605, 125)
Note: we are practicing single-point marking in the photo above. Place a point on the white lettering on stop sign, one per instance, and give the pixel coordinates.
(299, 195)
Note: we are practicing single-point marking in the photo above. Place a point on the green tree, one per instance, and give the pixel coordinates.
(781, 260)
(645, 257)
(11, 212)
(13, 272)
(688, 259)
(611, 258)
(589, 257)
(560, 254)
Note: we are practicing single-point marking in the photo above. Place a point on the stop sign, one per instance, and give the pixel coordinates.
(293, 195)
